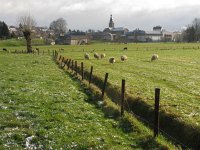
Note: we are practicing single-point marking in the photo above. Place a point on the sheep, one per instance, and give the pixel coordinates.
(96, 55)
(37, 49)
(123, 57)
(62, 49)
(4, 49)
(103, 55)
(111, 60)
(125, 48)
(154, 57)
(87, 56)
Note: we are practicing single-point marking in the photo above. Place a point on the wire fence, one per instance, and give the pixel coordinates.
(128, 109)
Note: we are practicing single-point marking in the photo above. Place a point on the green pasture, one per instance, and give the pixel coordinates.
(42, 107)
(176, 73)
(20, 42)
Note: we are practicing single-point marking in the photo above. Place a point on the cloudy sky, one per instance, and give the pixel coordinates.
(94, 14)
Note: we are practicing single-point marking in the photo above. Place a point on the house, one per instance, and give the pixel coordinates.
(136, 35)
(155, 35)
(15, 32)
(68, 39)
(109, 37)
(167, 36)
(177, 36)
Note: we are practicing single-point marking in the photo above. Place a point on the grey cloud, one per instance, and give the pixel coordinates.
(85, 14)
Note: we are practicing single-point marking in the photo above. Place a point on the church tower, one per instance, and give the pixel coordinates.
(111, 23)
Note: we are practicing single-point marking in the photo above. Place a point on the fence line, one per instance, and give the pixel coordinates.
(157, 99)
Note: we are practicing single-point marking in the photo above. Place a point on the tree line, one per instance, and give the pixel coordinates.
(192, 32)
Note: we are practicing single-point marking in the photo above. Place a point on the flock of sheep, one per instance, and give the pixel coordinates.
(112, 59)
(103, 55)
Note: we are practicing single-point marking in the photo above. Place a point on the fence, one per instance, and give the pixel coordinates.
(135, 105)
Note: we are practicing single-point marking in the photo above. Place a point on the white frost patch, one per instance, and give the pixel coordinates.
(3, 107)
(74, 145)
(28, 142)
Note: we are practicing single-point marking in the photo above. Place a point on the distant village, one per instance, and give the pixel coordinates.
(109, 34)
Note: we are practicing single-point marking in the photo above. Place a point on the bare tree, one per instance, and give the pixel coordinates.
(26, 25)
(59, 26)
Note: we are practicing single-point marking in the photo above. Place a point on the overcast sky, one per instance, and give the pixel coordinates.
(94, 14)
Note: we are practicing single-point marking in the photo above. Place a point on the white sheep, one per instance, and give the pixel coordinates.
(96, 55)
(87, 56)
(103, 55)
(123, 57)
(111, 60)
(154, 57)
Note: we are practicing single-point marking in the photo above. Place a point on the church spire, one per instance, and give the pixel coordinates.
(111, 23)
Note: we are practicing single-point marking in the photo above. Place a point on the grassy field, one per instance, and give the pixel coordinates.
(43, 107)
(20, 42)
(176, 72)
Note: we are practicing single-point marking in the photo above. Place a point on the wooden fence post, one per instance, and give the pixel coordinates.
(68, 64)
(104, 85)
(72, 66)
(63, 58)
(56, 55)
(59, 58)
(122, 97)
(62, 61)
(76, 68)
(156, 112)
(91, 70)
(82, 74)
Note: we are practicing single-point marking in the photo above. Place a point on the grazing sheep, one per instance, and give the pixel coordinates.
(123, 57)
(103, 55)
(87, 56)
(4, 49)
(37, 49)
(111, 60)
(62, 49)
(154, 57)
(96, 55)
(125, 48)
